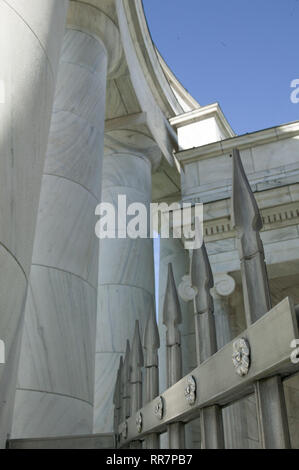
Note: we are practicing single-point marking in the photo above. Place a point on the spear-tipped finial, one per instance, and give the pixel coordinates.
(202, 280)
(136, 359)
(126, 366)
(136, 363)
(151, 340)
(245, 214)
(117, 397)
(121, 366)
(172, 315)
(247, 221)
(117, 389)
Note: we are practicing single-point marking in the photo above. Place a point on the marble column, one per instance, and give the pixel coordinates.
(31, 34)
(239, 419)
(56, 373)
(126, 265)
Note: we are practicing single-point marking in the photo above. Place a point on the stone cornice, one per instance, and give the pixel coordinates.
(150, 62)
(205, 112)
(129, 14)
(177, 87)
(242, 142)
(277, 217)
(274, 217)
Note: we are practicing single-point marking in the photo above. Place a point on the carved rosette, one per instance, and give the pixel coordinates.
(241, 356)
(190, 390)
(139, 422)
(159, 408)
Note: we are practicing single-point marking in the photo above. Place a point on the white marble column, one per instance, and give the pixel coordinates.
(31, 33)
(56, 373)
(126, 266)
(239, 419)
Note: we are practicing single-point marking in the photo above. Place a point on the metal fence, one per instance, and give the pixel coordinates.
(256, 361)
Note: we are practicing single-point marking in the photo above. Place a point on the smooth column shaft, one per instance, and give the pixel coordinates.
(126, 279)
(31, 34)
(56, 373)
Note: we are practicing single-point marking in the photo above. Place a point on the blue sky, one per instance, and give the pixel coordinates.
(242, 53)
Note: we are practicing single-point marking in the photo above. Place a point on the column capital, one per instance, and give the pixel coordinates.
(186, 291)
(133, 142)
(92, 20)
(224, 285)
